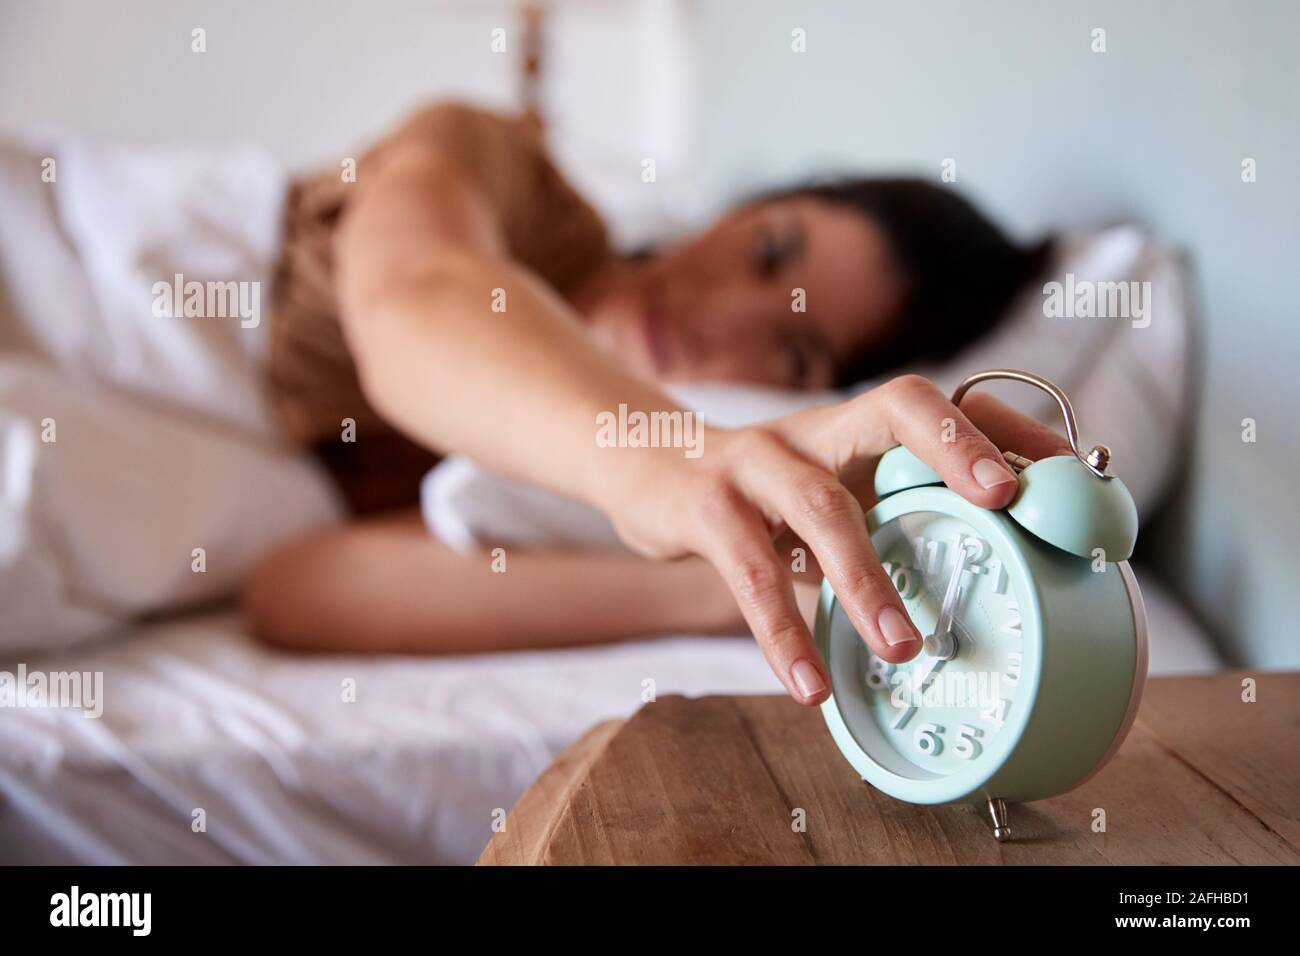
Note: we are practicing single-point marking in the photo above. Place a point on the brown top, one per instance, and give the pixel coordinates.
(313, 379)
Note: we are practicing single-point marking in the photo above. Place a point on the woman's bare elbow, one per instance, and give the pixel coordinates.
(271, 606)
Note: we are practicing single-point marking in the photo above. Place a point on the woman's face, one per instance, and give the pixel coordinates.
(779, 293)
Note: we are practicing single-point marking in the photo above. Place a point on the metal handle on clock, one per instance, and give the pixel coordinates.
(1095, 460)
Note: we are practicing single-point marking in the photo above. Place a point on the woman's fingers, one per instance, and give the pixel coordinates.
(740, 547)
(1012, 431)
(936, 431)
(829, 519)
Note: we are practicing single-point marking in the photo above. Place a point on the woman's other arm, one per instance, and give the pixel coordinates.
(387, 586)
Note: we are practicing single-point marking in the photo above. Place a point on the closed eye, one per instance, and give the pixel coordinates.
(776, 249)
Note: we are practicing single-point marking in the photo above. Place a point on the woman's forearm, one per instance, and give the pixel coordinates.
(519, 392)
(388, 587)
(420, 269)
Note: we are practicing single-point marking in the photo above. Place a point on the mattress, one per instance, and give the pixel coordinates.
(212, 748)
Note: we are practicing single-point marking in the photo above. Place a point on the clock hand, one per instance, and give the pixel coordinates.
(923, 671)
(959, 630)
(942, 644)
(919, 678)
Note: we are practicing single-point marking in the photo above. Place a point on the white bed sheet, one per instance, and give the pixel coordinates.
(197, 715)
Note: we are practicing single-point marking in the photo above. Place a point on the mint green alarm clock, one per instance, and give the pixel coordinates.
(1036, 653)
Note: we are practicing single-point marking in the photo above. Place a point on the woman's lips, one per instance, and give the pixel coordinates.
(656, 337)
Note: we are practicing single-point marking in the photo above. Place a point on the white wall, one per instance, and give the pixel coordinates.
(314, 80)
(1048, 134)
(309, 79)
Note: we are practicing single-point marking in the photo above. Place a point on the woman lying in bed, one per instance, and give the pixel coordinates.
(460, 297)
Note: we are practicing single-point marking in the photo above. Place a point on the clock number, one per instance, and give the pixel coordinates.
(977, 551)
(995, 714)
(1012, 627)
(897, 699)
(927, 739)
(967, 746)
(980, 559)
(878, 672)
(1012, 675)
(929, 554)
(999, 575)
(903, 717)
(904, 580)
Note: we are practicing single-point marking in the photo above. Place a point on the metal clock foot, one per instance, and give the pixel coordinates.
(998, 811)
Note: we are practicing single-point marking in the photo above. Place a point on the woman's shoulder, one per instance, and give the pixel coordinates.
(465, 113)
(461, 127)
(504, 153)
(548, 224)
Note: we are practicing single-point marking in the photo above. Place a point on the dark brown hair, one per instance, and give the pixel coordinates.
(961, 271)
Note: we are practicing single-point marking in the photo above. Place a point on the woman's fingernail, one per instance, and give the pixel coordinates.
(896, 628)
(808, 678)
(990, 473)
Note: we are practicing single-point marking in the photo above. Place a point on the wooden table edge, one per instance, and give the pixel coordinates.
(528, 826)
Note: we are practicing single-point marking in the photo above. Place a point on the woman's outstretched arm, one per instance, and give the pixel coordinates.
(387, 586)
(421, 264)
(420, 260)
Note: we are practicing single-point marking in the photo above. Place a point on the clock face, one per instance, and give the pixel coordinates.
(956, 710)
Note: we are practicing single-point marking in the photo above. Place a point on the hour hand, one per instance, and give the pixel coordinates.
(942, 644)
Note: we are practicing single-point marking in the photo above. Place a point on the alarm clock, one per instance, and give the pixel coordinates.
(1036, 650)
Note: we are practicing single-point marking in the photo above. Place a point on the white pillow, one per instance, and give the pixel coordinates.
(1127, 386)
(100, 524)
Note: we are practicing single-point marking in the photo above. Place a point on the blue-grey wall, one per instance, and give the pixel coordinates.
(1048, 134)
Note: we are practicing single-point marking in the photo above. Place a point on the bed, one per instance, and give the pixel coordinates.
(416, 769)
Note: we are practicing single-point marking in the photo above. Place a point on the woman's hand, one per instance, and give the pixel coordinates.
(750, 483)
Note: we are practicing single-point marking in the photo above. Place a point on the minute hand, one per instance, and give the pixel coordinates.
(949, 608)
(942, 644)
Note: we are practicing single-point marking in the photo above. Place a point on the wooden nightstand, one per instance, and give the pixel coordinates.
(1203, 778)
